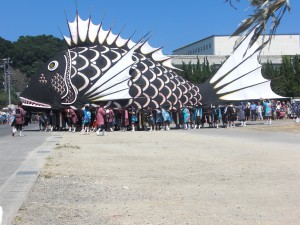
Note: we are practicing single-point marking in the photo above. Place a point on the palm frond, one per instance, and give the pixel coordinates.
(266, 17)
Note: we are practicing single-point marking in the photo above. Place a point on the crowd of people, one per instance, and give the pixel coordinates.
(101, 120)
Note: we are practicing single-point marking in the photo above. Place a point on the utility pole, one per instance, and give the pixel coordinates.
(7, 74)
(8, 81)
(4, 69)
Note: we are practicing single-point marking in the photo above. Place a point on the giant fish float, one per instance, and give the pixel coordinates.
(101, 67)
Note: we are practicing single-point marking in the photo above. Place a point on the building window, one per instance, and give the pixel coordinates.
(209, 45)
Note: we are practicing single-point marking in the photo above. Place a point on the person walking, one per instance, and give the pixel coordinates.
(186, 118)
(86, 120)
(296, 110)
(268, 111)
(240, 111)
(46, 119)
(247, 111)
(278, 110)
(198, 116)
(134, 118)
(124, 120)
(231, 113)
(110, 117)
(12, 120)
(216, 116)
(150, 118)
(72, 119)
(19, 119)
(69, 118)
(253, 111)
(225, 116)
(52, 120)
(259, 110)
(158, 119)
(100, 113)
(166, 119)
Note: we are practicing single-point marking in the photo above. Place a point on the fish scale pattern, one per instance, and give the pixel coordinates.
(151, 85)
(156, 86)
(92, 63)
(57, 83)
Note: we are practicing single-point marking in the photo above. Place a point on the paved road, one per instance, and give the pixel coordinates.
(21, 159)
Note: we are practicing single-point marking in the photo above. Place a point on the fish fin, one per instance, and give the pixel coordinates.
(114, 80)
(239, 78)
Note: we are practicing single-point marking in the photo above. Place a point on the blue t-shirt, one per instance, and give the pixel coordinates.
(86, 116)
(267, 107)
(166, 115)
(186, 115)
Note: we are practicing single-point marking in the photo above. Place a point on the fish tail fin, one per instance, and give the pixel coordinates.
(239, 78)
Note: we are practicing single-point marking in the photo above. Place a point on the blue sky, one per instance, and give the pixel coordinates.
(172, 24)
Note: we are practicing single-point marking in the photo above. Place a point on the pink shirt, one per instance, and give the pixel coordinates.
(99, 116)
(74, 116)
(20, 117)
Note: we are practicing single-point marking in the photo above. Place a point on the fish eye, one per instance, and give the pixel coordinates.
(52, 65)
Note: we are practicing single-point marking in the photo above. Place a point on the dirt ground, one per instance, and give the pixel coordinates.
(244, 175)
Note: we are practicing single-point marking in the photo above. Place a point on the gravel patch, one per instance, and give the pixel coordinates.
(206, 176)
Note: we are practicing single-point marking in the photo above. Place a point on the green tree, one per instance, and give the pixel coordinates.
(285, 78)
(296, 63)
(6, 47)
(4, 98)
(286, 72)
(197, 73)
(270, 72)
(31, 52)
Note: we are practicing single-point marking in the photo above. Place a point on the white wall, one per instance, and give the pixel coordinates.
(223, 45)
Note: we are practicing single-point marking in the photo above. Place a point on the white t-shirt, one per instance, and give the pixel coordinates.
(259, 108)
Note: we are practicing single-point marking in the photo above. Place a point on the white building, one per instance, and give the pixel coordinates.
(281, 44)
(217, 48)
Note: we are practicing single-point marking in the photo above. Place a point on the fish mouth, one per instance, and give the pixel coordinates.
(31, 103)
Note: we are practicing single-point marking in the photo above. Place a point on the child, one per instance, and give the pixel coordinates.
(134, 118)
(86, 119)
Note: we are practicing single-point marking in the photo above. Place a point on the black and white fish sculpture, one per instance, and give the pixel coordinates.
(102, 67)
